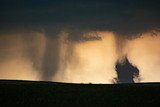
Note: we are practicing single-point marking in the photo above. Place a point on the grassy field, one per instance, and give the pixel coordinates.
(62, 94)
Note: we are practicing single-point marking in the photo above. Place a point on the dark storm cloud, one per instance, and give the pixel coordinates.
(125, 17)
(76, 17)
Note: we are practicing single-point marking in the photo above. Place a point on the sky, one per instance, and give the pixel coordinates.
(79, 41)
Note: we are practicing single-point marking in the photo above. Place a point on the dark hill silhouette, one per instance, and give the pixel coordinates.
(34, 93)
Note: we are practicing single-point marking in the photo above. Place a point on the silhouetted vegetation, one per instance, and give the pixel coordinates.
(126, 72)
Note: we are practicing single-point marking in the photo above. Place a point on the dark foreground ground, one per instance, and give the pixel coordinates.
(31, 93)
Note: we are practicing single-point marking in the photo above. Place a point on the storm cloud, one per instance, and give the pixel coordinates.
(123, 17)
(56, 39)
